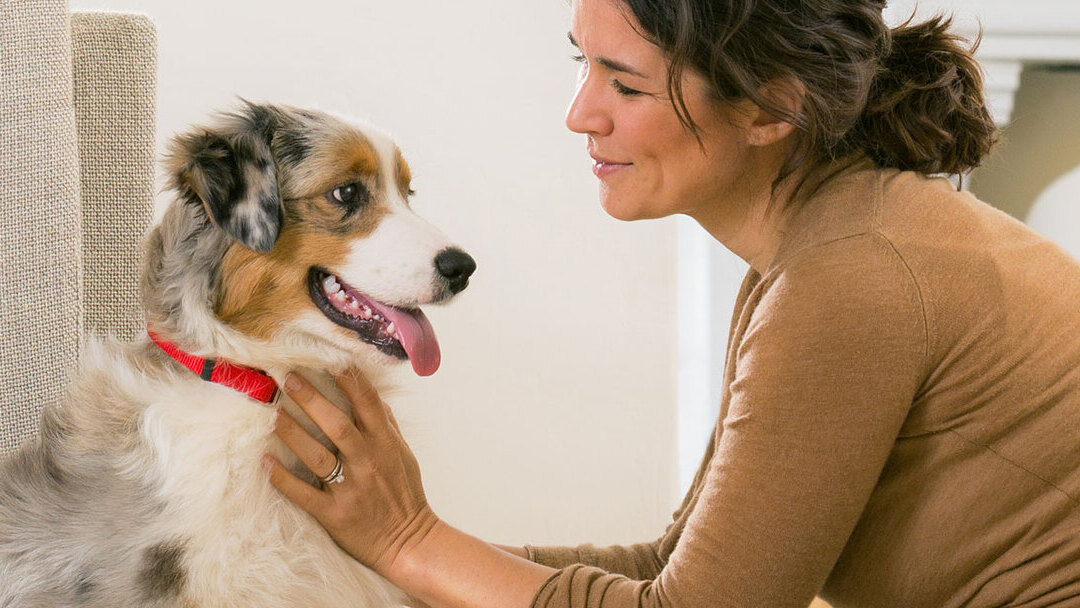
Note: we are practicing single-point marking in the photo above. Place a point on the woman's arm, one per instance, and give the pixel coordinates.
(380, 514)
(825, 361)
(521, 552)
(449, 568)
(641, 561)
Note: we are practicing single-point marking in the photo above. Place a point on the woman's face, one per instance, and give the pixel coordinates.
(648, 163)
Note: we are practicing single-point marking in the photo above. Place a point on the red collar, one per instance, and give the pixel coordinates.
(252, 382)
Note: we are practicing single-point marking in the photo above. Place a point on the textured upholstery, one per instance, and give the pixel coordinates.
(69, 262)
(40, 223)
(114, 112)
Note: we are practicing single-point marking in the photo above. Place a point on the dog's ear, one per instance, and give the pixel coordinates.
(230, 170)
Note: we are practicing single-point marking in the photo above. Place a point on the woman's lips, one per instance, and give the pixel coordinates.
(605, 168)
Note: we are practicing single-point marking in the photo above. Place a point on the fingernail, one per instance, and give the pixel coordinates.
(292, 383)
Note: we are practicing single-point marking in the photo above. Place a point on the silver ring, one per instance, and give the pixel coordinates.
(335, 476)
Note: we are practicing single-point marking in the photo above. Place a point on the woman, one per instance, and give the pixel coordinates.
(898, 424)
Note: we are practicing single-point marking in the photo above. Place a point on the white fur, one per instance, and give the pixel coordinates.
(393, 264)
(245, 545)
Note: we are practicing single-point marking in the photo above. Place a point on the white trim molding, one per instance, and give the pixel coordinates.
(1014, 35)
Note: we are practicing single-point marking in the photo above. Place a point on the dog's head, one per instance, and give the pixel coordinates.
(291, 239)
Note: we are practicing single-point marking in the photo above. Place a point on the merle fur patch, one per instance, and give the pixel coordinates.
(230, 171)
(162, 574)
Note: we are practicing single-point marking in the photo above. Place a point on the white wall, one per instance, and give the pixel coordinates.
(552, 419)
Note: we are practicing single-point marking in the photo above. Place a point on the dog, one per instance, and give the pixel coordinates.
(289, 245)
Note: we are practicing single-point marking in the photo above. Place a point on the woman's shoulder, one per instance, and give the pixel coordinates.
(921, 218)
(915, 206)
(859, 277)
(839, 225)
(862, 265)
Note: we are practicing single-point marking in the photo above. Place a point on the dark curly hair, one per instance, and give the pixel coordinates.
(910, 98)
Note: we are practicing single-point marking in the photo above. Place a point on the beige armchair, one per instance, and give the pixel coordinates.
(76, 192)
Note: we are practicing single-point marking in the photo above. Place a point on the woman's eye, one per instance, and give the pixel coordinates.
(624, 90)
(578, 58)
(349, 194)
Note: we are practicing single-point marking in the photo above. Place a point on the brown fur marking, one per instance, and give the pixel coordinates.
(403, 172)
(259, 292)
(344, 156)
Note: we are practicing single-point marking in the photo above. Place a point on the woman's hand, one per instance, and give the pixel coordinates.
(379, 509)
(379, 513)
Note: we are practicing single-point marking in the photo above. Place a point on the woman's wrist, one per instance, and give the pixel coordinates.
(405, 554)
(445, 568)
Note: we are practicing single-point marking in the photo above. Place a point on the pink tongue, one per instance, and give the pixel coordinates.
(418, 338)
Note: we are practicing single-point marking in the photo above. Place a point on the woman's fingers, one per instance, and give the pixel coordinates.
(370, 411)
(382, 500)
(313, 454)
(295, 489)
(334, 422)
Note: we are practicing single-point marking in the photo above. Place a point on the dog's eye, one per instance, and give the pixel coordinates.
(350, 194)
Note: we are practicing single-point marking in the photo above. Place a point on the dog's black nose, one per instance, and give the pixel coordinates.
(456, 267)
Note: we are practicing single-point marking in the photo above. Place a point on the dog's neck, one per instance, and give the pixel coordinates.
(256, 384)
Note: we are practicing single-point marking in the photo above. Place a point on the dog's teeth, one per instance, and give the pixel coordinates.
(340, 296)
(330, 284)
(353, 304)
(365, 312)
(390, 328)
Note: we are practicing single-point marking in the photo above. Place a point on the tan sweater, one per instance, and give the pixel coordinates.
(899, 425)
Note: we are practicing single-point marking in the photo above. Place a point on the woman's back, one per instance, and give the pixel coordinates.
(977, 499)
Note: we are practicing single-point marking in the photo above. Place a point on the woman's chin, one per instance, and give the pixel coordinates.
(627, 211)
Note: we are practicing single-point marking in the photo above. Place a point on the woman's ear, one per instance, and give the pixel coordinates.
(786, 96)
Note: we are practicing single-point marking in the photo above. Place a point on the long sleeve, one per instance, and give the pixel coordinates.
(827, 355)
(641, 561)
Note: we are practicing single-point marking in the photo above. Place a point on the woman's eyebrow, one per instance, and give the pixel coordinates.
(608, 63)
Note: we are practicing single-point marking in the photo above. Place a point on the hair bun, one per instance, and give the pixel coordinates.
(926, 111)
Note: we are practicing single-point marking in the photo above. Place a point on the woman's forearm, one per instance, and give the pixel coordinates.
(450, 569)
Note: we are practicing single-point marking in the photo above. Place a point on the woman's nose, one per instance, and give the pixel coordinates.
(586, 114)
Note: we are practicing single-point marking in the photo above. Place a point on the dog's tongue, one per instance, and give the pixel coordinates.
(417, 337)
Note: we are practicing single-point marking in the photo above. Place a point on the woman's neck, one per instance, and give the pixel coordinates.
(750, 220)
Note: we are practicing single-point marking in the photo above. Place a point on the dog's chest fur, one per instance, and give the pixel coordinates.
(156, 477)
